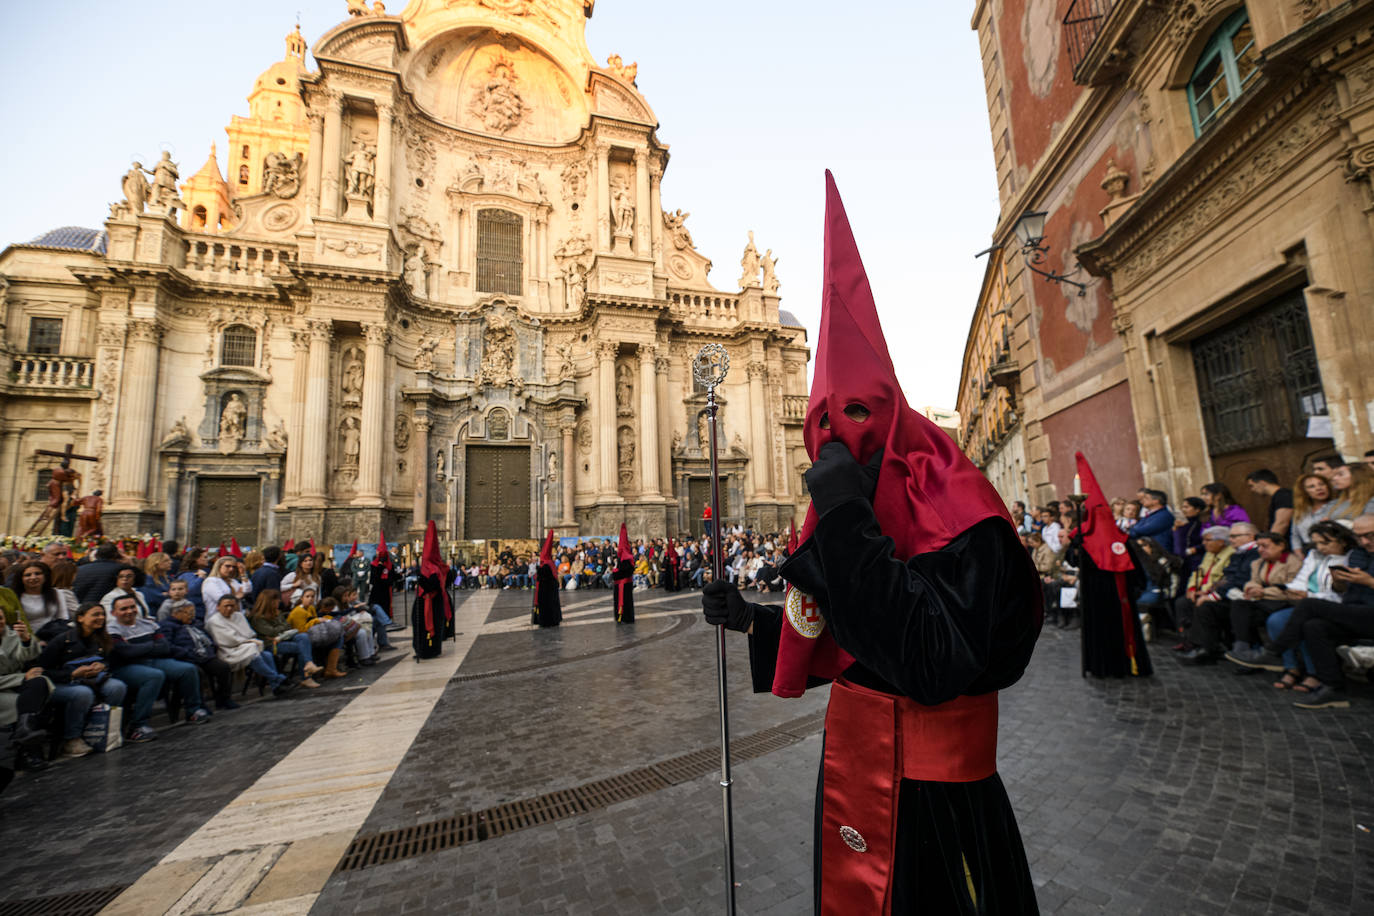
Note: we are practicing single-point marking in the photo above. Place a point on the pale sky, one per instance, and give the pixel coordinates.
(755, 99)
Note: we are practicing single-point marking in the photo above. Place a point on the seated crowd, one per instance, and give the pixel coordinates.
(170, 628)
(1294, 596)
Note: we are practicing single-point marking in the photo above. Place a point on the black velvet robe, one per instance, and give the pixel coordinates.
(380, 581)
(428, 640)
(622, 591)
(1104, 640)
(960, 620)
(548, 605)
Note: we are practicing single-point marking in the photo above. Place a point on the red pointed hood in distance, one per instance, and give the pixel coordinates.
(623, 551)
(1103, 541)
(928, 491)
(546, 552)
(290, 542)
(223, 551)
(792, 537)
(431, 561)
(235, 549)
(312, 547)
(352, 551)
(383, 556)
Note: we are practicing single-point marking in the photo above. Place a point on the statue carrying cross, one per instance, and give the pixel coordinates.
(62, 492)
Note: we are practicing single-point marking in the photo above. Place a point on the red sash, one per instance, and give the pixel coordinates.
(873, 741)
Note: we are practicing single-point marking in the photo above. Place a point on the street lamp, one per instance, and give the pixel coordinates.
(1030, 232)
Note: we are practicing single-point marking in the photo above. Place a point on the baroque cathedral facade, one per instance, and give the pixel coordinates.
(435, 282)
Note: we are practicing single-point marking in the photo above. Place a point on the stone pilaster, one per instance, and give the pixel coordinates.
(331, 160)
(643, 245)
(419, 515)
(135, 438)
(656, 217)
(603, 197)
(648, 422)
(568, 428)
(607, 479)
(295, 430)
(665, 428)
(312, 164)
(760, 449)
(381, 201)
(373, 430)
(316, 435)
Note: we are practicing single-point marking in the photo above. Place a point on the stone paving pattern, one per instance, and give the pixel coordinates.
(1194, 792)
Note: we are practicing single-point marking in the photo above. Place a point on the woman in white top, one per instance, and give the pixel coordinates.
(304, 574)
(1331, 546)
(126, 583)
(32, 582)
(238, 646)
(226, 578)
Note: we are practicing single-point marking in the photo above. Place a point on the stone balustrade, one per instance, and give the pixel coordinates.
(41, 371)
(236, 259)
(794, 408)
(706, 309)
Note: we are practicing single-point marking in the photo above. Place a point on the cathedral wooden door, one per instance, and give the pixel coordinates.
(497, 495)
(227, 507)
(699, 495)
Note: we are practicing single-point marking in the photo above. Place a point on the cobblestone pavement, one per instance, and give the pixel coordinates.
(1195, 792)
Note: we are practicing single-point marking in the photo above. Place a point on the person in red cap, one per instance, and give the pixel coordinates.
(548, 606)
(622, 580)
(911, 593)
(432, 614)
(1108, 581)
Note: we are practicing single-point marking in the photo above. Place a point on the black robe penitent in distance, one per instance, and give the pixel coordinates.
(548, 605)
(379, 587)
(962, 620)
(427, 617)
(672, 574)
(1104, 641)
(622, 591)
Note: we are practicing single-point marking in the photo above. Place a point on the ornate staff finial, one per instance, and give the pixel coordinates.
(711, 365)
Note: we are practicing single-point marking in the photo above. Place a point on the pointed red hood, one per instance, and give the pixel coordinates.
(383, 557)
(235, 549)
(431, 561)
(290, 542)
(623, 551)
(1103, 541)
(223, 551)
(546, 553)
(312, 547)
(145, 548)
(352, 551)
(928, 492)
(792, 538)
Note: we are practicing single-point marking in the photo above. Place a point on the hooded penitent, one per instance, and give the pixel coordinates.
(622, 579)
(235, 549)
(928, 492)
(380, 576)
(548, 606)
(435, 613)
(1106, 544)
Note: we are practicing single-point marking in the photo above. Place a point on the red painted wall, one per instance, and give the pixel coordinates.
(1039, 78)
(1102, 427)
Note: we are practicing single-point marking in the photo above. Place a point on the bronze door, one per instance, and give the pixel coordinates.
(227, 507)
(497, 503)
(699, 495)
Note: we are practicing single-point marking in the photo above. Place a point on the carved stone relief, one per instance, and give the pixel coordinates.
(351, 379)
(676, 224)
(625, 455)
(498, 355)
(281, 174)
(584, 436)
(401, 434)
(497, 104)
(233, 421)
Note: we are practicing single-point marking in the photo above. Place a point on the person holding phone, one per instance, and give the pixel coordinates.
(76, 664)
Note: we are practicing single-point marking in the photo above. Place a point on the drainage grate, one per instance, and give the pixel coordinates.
(508, 817)
(77, 903)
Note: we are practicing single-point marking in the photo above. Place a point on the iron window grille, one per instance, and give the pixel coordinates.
(1258, 380)
(40, 492)
(45, 336)
(500, 252)
(239, 346)
(1225, 69)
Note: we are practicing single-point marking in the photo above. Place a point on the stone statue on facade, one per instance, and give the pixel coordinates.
(675, 223)
(625, 447)
(165, 175)
(179, 436)
(439, 465)
(401, 436)
(616, 64)
(276, 438)
(553, 467)
(135, 187)
(351, 436)
(424, 354)
(233, 422)
(498, 104)
(703, 432)
(417, 274)
(360, 170)
(625, 391)
(749, 265)
(770, 277)
(498, 356)
(353, 379)
(575, 282)
(623, 209)
(281, 176)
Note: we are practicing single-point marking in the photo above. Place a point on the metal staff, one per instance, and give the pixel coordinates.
(709, 368)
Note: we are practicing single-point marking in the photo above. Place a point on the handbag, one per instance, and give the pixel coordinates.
(104, 728)
(325, 633)
(94, 681)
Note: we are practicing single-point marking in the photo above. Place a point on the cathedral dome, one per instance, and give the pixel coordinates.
(77, 238)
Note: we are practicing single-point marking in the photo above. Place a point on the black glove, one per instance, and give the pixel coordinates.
(836, 477)
(723, 604)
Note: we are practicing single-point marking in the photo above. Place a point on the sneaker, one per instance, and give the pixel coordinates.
(1256, 658)
(1356, 658)
(141, 734)
(1324, 697)
(199, 715)
(75, 747)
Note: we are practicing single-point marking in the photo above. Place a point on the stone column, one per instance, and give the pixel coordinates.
(419, 514)
(295, 430)
(373, 431)
(330, 159)
(169, 513)
(760, 454)
(642, 243)
(567, 428)
(656, 214)
(607, 476)
(272, 490)
(603, 197)
(381, 200)
(665, 428)
(312, 163)
(648, 422)
(135, 442)
(316, 432)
